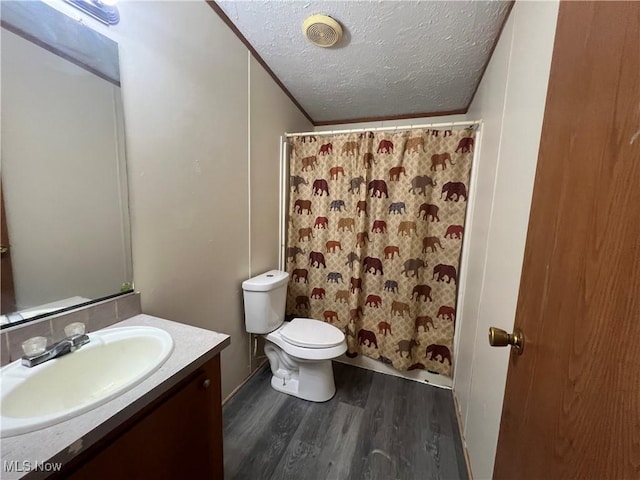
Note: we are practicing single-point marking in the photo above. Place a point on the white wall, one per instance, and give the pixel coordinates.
(511, 101)
(61, 188)
(268, 121)
(186, 93)
(186, 110)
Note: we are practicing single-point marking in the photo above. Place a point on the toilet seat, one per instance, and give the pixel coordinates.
(332, 339)
(309, 333)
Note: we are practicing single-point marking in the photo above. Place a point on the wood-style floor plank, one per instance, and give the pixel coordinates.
(323, 443)
(307, 442)
(352, 384)
(376, 427)
(273, 441)
(244, 424)
(340, 442)
(371, 459)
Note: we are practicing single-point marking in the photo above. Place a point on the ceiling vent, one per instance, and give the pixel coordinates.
(322, 30)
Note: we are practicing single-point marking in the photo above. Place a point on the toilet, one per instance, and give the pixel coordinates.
(299, 351)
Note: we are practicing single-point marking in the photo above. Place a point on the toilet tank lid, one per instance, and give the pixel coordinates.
(267, 281)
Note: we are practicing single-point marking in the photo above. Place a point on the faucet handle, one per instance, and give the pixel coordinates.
(75, 328)
(34, 346)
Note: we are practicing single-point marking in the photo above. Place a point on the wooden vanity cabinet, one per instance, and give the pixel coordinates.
(178, 436)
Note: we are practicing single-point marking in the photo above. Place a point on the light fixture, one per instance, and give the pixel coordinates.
(102, 10)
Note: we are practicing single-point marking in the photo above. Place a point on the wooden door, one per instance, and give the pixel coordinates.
(7, 292)
(572, 401)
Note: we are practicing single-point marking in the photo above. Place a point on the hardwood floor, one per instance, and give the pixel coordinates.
(376, 427)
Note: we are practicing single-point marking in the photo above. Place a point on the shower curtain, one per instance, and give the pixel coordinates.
(375, 227)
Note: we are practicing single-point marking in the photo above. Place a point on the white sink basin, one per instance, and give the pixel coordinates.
(114, 361)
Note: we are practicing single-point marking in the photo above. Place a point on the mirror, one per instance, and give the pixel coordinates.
(65, 219)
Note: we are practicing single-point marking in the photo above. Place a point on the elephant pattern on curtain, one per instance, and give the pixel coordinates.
(375, 227)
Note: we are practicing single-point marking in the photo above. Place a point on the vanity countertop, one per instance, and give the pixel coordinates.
(60, 443)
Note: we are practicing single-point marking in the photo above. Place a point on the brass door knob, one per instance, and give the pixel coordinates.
(4, 249)
(500, 338)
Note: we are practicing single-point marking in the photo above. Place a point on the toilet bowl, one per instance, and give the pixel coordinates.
(300, 354)
(299, 351)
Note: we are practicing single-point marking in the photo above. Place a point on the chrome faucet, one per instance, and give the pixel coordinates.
(68, 345)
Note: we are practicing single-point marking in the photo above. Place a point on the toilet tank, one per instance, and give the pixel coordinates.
(265, 297)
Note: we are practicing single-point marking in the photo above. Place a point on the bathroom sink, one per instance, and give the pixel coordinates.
(114, 361)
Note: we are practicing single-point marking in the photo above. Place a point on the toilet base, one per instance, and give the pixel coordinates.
(310, 380)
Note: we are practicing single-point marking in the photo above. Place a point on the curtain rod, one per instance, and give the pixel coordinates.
(382, 129)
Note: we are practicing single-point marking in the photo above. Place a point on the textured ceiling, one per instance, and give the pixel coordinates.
(396, 57)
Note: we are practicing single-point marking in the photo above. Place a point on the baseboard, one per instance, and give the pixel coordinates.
(421, 376)
(467, 460)
(235, 390)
